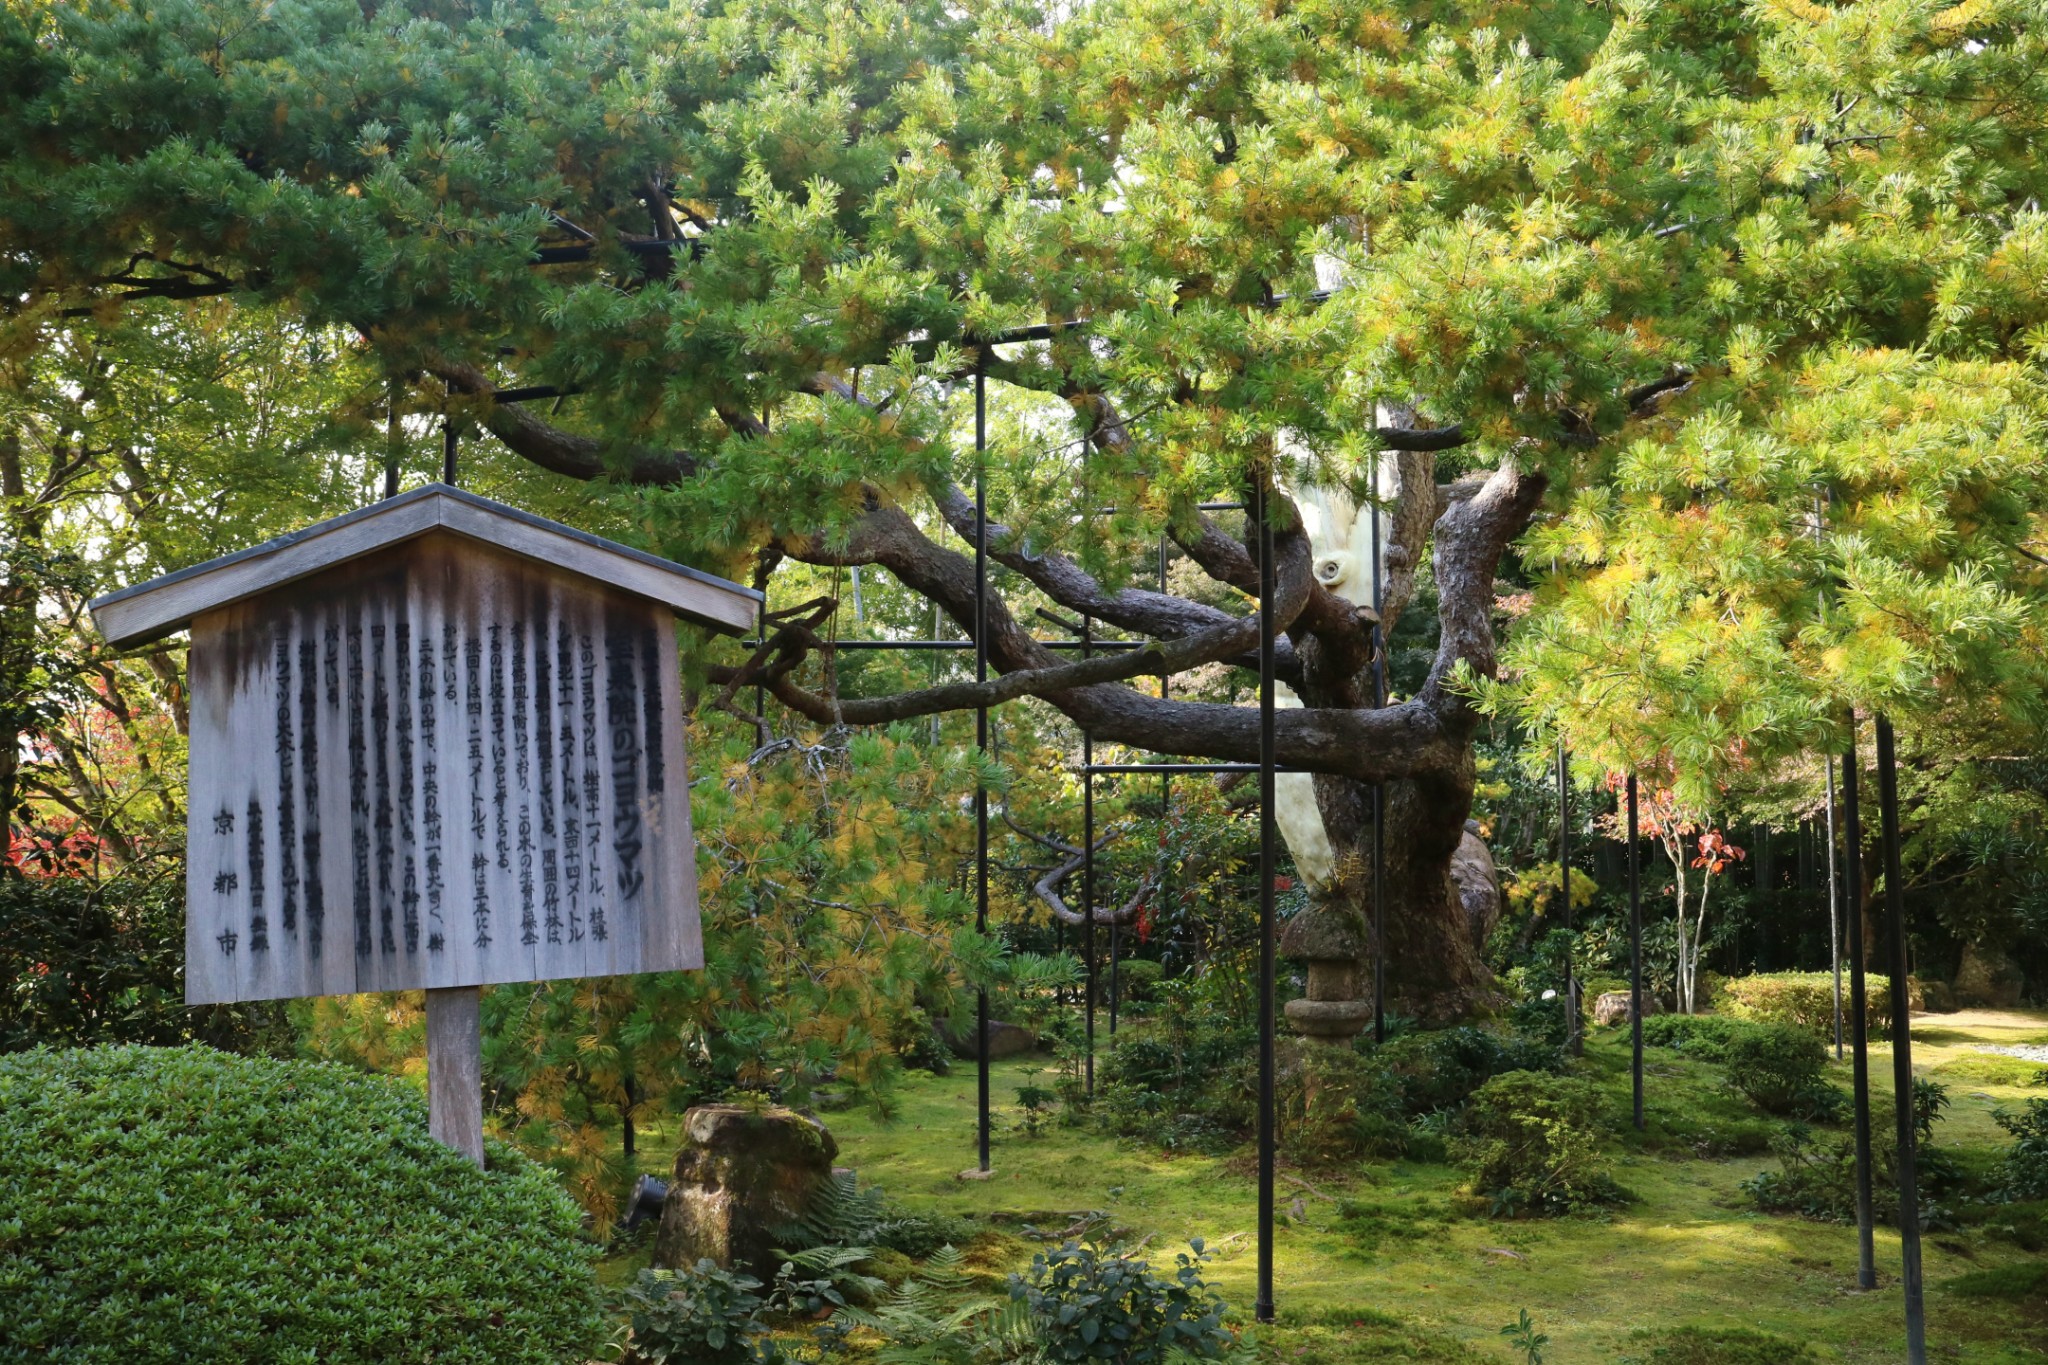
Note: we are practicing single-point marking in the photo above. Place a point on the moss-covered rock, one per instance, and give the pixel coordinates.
(740, 1175)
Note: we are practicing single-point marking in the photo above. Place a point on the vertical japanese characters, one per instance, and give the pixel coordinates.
(515, 741)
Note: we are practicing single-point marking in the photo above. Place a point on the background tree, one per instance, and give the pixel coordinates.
(1698, 853)
(1640, 254)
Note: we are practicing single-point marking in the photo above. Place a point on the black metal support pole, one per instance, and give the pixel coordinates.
(1902, 1048)
(981, 744)
(1859, 1031)
(1088, 887)
(1834, 906)
(1263, 1308)
(1820, 533)
(1165, 779)
(394, 439)
(1635, 955)
(1379, 789)
(1573, 1042)
(448, 452)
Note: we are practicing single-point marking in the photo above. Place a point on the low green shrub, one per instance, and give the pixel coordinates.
(1805, 1000)
(1779, 1068)
(1714, 1346)
(1817, 1176)
(180, 1205)
(1090, 1302)
(1441, 1068)
(1705, 1036)
(1532, 1143)
(1338, 1105)
(1542, 1020)
(1186, 1083)
(2024, 1171)
(701, 1315)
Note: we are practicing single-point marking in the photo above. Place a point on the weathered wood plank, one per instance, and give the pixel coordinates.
(455, 1070)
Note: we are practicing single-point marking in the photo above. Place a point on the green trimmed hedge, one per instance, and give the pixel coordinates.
(184, 1205)
(1807, 1000)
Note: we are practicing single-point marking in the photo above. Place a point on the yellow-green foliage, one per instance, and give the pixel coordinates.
(831, 911)
(1806, 1000)
(1534, 888)
(1532, 1142)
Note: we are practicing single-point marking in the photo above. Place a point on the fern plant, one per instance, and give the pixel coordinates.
(823, 1279)
(842, 1214)
(936, 1318)
(839, 1214)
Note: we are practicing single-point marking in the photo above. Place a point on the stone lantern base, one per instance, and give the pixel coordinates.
(1336, 1009)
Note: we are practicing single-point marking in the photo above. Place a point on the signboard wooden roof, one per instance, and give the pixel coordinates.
(434, 743)
(163, 605)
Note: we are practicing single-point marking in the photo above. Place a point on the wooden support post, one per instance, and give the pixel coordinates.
(455, 1070)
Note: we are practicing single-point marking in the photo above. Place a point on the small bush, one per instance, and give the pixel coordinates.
(1093, 1303)
(1806, 1000)
(1139, 977)
(1779, 1069)
(1542, 1021)
(1715, 1346)
(1532, 1142)
(181, 1205)
(2024, 1171)
(1185, 1084)
(699, 1316)
(1338, 1105)
(1440, 1069)
(1817, 1176)
(1705, 1036)
(85, 963)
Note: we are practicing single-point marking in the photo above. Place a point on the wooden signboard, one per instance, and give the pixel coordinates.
(436, 744)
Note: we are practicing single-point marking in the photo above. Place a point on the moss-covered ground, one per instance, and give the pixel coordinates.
(1376, 1262)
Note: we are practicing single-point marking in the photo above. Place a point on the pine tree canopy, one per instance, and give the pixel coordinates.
(1743, 309)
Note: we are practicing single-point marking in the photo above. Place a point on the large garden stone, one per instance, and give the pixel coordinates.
(1611, 1007)
(1004, 1040)
(1477, 882)
(740, 1176)
(1988, 978)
